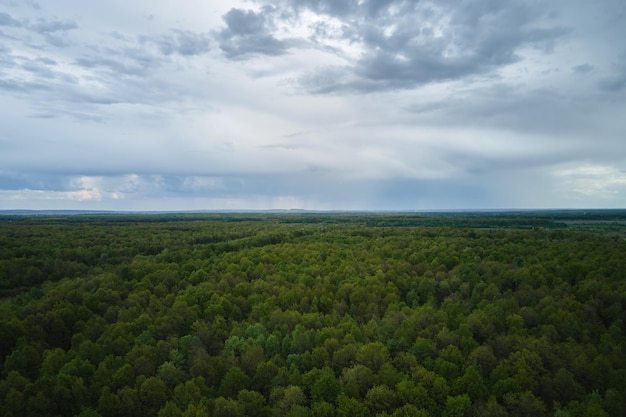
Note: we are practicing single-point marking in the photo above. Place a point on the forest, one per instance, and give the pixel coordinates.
(313, 314)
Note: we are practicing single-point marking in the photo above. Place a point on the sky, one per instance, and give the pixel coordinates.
(312, 104)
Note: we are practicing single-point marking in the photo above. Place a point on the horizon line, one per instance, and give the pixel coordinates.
(299, 211)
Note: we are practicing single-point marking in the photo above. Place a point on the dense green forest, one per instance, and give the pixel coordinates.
(314, 315)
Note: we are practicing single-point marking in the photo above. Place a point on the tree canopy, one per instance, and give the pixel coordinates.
(311, 315)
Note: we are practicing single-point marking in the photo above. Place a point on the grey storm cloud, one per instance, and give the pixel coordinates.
(248, 33)
(407, 44)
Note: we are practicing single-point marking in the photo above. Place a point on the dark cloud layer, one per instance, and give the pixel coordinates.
(405, 43)
(248, 33)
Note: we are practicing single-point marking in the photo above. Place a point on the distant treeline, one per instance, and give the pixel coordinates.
(481, 219)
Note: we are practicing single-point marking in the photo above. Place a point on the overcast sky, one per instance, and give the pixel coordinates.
(312, 104)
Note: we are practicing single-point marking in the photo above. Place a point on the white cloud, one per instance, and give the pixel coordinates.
(595, 181)
(196, 183)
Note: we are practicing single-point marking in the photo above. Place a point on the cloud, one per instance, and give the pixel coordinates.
(126, 70)
(82, 187)
(248, 33)
(594, 181)
(53, 31)
(100, 69)
(7, 20)
(40, 67)
(615, 82)
(582, 69)
(47, 26)
(198, 183)
(404, 44)
(120, 65)
(182, 42)
(546, 112)
(22, 86)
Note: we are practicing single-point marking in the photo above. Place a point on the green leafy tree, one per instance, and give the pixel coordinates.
(228, 408)
(129, 402)
(234, 381)
(299, 411)
(13, 404)
(108, 403)
(170, 374)
(25, 360)
(358, 380)
(323, 409)
(373, 355)
(350, 407)
(187, 393)
(472, 384)
(409, 410)
(417, 395)
(524, 404)
(565, 387)
(491, 408)
(170, 409)
(53, 361)
(457, 406)
(251, 357)
(264, 374)
(286, 398)
(381, 398)
(326, 388)
(153, 395)
(196, 410)
(253, 403)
